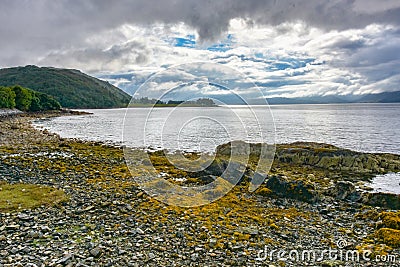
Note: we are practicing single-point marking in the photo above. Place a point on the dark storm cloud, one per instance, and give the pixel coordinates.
(92, 58)
(60, 20)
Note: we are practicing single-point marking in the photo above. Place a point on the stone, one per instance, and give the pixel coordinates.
(14, 250)
(345, 190)
(179, 234)
(385, 200)
(95, 252)
(139, 231)
(213, 242)
(194, 257)
(24, 217)
(66, 259)
(300, 190)
(12, 227)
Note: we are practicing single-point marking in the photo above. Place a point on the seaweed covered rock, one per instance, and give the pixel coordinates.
(334, 158)
(317, 155)
(300, 190)
(388, 236)
(233, 172)
(389, 220)
(344, 190)
(385, 200)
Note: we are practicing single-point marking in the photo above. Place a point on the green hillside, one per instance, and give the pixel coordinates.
(72, 88)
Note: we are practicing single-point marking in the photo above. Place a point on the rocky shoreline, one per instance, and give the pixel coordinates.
(9, 112)
(312, 200)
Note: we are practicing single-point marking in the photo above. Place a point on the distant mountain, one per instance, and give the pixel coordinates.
(387, 97)
(305, 100)
(72, 88)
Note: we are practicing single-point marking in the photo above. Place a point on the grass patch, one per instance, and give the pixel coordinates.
(15, 197)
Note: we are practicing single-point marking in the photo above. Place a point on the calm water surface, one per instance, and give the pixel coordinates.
(361, 127)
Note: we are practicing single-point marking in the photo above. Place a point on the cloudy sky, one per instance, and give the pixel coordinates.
(286, 47)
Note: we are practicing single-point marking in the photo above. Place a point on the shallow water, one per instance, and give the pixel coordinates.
(389, 183)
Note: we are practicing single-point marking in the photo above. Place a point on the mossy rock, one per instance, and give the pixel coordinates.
(300, 190)
(390, 220)
(389, 236)
(264, 192)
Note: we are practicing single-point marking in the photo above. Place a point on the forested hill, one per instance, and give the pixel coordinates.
(72, 88)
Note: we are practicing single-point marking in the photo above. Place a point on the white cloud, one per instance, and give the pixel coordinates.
(293, 54)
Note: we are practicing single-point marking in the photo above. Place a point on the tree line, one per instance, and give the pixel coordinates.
(26, 99)
(201, 102)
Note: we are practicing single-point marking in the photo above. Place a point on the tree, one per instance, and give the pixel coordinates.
(7, 97)
(36, 104)
(28, 100)
(23, 98)
(47, 102)
(205, 102)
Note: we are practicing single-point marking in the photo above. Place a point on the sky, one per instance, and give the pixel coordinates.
(287, 48)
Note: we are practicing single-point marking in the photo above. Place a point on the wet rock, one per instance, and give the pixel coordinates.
(231, 171)
(216, 168)
(333, 158)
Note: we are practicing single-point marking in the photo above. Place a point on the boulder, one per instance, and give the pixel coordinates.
(384, 200)
(300, 190)
(344, 190)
